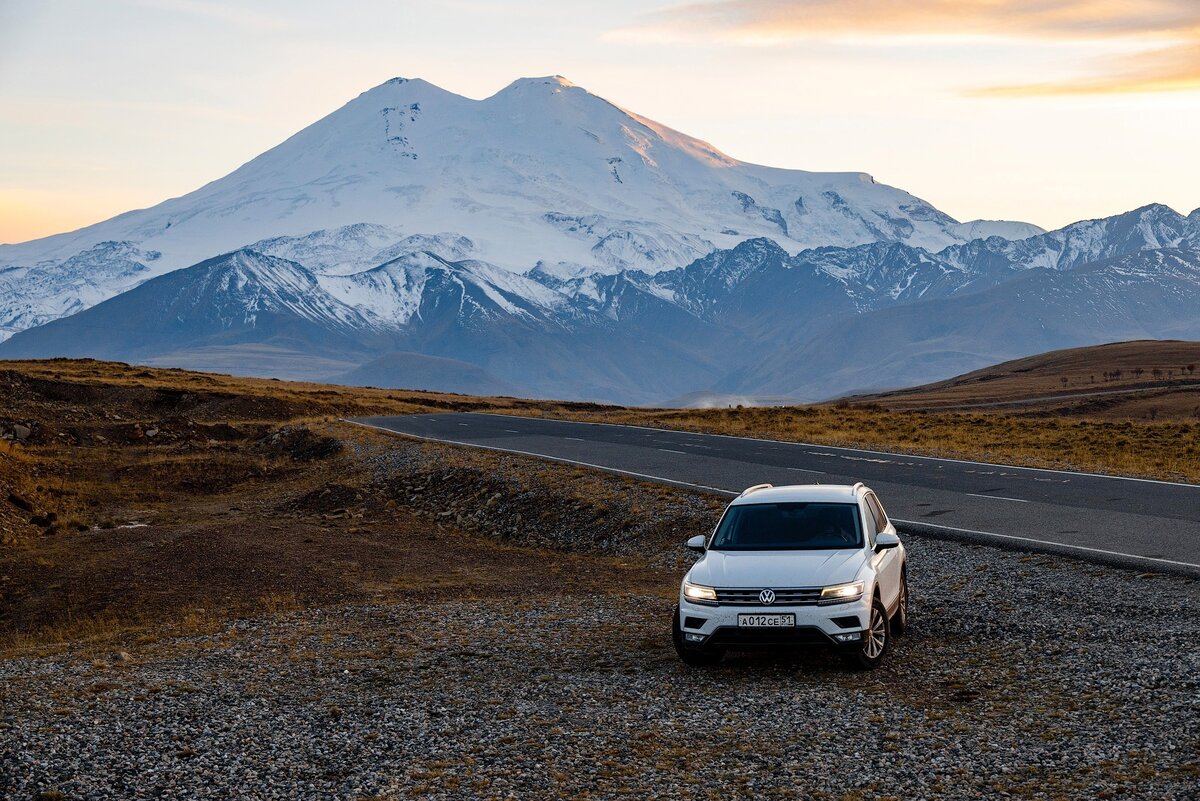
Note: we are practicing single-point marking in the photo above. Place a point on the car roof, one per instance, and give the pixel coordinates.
(800, 493)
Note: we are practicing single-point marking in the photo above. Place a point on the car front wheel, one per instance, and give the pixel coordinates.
(900, 619)
(869, 653)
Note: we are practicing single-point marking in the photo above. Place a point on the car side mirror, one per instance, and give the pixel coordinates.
(696, 543)
(885, 540)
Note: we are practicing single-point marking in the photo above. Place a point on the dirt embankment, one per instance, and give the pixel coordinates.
(131, 506)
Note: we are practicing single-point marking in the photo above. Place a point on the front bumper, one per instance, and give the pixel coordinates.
(705, 626)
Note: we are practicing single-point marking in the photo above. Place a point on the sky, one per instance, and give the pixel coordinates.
(1047, 111)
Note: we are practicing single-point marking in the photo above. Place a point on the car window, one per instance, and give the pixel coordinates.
(881, 521)
(869, 522)
(788, 526)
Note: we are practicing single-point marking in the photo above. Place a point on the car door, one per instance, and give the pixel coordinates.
(887, 562)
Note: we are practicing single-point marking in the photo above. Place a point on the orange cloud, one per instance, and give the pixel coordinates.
(1164, 33)
(1171, 69)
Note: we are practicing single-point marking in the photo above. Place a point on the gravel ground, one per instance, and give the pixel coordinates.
(1023, 676)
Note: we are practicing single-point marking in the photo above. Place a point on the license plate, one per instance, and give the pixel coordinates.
(765, 621)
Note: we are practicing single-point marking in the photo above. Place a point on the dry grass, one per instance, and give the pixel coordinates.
(1142, 380)
(214, 397)
(171, 499)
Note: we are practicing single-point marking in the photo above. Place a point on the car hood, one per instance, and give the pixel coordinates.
(776, 568)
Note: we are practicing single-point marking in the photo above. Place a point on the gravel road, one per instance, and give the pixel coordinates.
(1024, 677)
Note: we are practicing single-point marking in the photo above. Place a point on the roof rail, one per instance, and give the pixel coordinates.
(755, 488)
(857, 484)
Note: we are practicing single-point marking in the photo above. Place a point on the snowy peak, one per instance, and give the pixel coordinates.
(397, 291)
(502, 172)
(553, 84)
(32, 295)
(238, 287)
(354, 248)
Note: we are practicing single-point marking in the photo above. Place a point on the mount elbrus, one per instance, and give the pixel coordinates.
(546, 242)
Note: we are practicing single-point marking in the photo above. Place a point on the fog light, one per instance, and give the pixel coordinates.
(694, 637)
(850, 637)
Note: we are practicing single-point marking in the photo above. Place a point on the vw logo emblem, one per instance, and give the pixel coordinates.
(766, 597)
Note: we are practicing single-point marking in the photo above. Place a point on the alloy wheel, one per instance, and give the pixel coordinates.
(876, 635)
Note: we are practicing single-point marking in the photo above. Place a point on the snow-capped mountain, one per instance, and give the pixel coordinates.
(1146, 228)
(1148, 294)
(542, 174)
(546, 242)
(253, 314)
(44, 291)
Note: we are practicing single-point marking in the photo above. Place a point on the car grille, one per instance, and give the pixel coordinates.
(788, 596)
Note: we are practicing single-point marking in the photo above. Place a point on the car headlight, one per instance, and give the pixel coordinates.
(842, 593)
(699, 594)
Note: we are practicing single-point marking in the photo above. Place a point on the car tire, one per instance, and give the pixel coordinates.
(900, 619)
(877, 637)
(690, 655)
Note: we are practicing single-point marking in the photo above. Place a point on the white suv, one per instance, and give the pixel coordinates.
(794, 566)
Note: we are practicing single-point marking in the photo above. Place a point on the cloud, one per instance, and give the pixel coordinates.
(1163, 35)
(1171, 69)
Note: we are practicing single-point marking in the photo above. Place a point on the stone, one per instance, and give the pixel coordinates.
(19, 502)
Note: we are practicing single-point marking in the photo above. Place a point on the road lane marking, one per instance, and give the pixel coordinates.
(512, 431)
(575, 439)
(668, 450)
(806, 470)
(997, 497)
(733, 493)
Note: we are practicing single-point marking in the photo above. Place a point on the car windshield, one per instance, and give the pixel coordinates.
(788, 526)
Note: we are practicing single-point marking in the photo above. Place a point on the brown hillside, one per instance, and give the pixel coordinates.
(1144, 379)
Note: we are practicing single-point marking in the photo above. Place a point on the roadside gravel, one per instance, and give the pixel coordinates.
(1025, 677)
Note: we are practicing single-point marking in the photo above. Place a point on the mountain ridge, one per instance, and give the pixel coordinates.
(751, 320)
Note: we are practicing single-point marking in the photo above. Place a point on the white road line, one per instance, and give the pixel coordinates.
(877, 453)
(731, 493)
(512, 431)
(462, 424)
(668, 450)
(997, 497)
(1051, 542)
(805, 470)
(575, 439)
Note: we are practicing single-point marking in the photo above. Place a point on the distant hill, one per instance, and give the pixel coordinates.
(417, 371)
(1138, 379)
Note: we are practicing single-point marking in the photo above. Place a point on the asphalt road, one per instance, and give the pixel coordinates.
(1153, 525)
